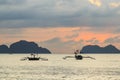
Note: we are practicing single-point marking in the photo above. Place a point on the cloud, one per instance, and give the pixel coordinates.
(54, 13)
(93, 41)
(115, 4)
(61, 39)
(96, 2)
(12, 2)
(113, 40)
(37, 34)
(56, 45)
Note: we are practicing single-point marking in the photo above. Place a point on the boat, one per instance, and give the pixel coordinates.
(78, 57)
(34, 57)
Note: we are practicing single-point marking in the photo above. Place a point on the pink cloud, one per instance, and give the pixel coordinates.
(68, 38)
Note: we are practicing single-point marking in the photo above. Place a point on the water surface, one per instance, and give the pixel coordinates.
(105, 67)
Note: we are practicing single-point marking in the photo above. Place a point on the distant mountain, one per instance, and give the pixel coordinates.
(4, 49)
(23, 47)
(98, 49)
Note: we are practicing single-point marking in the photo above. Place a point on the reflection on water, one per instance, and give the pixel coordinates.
(105, 67)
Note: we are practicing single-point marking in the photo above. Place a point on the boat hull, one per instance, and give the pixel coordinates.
(79, 57)
(29, 58)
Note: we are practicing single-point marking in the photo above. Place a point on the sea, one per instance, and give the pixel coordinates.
(104, 67)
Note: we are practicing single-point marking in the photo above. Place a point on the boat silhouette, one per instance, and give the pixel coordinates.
(34, 57)
(77, 56)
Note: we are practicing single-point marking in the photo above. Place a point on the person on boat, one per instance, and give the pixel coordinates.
(78, 56)
(33, 55)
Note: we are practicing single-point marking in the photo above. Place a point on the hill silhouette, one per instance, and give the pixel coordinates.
(23, 46)
(98, 49)
(4, 49)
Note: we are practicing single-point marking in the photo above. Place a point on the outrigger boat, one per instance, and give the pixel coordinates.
(34, 57)
(78, 57)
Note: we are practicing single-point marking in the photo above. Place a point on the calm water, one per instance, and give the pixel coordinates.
(105, 67)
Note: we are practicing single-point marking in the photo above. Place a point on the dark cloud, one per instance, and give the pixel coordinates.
(113, 40)
(10, 31)
(117, 30)
(12, 2)
(54, 13)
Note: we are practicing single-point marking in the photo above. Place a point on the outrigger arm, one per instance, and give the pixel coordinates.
(82, 56)
(44, 59)
(68, 57)
(89, 57)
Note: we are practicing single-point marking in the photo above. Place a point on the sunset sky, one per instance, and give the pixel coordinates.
(60, 25)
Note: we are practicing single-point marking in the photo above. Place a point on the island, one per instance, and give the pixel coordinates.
(23, 46)
(98, 49)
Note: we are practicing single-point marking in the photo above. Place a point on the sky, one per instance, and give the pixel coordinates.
(62, 26)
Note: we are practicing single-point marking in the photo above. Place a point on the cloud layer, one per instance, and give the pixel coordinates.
(54, 13)
(61, 25)
(62, 39)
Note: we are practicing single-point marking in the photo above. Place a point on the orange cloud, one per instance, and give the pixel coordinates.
(37, 34)
(65, 34)
(114, 4)
(87, 35)
(95, 2)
